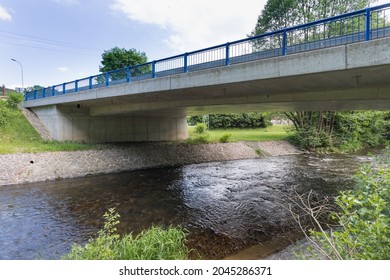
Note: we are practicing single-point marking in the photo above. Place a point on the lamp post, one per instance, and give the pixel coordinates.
(21, 67)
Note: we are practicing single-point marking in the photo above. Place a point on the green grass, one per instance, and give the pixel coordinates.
(276, 132)
(19, 136)
(155, 243)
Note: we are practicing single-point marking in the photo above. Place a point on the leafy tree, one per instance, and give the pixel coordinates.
(279, 14)
(117, 58)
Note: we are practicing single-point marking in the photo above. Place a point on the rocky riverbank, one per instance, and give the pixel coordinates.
(35, 167)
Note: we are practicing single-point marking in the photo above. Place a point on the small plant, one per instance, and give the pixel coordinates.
(200, 128)
(199, 134)
(225, 138)
(152, 244)
(363, 218)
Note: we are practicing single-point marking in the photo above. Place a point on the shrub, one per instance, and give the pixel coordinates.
(13, 100)
(152, 244)
(363, 218)
(200, 128)
(247, 120)
(225, 138)
(5, 114)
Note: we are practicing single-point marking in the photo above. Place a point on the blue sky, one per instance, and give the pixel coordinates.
(62, 40)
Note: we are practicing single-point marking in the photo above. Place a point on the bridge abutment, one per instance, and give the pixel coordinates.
(66, 123)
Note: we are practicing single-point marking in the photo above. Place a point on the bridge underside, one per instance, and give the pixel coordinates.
(351, 77)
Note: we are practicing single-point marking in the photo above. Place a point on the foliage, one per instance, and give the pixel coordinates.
(225, 138)
(153, 244)
(200, 128)
(343, 130)
(246, 120)
(363, 128)
(279, 14)
(117, 58)
(199, 134)
(5, 114)
(8, 108)
(363, 218)
(13, 100)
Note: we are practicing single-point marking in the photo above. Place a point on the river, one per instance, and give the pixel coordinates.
(226, 206)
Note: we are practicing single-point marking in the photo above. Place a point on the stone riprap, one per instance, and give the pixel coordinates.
(35, 167)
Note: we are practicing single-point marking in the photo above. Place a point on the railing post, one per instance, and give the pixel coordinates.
(128, 74)
(107, 78)
(227, 58)
(90, 82)
(76, 85)
(284, 43)
(35, 94)
(53, 90)
(44, 92)
(154, 69)
(63, 88)
(367, 30)
(185, 62)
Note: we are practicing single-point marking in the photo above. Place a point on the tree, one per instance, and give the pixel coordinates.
(117, 58)
(279, 14)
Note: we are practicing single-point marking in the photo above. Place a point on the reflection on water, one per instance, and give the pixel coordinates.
(235, 202)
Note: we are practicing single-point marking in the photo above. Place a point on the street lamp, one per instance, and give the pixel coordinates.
(21, 67)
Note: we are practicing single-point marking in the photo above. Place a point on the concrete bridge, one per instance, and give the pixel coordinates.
(300, 68)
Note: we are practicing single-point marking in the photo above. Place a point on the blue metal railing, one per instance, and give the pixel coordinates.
(362, 25)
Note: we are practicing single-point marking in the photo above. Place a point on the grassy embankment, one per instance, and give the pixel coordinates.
(17, 134)
(276, 132)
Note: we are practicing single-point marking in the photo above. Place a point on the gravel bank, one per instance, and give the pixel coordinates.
(35, 167)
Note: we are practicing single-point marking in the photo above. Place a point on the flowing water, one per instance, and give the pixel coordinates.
(227, 206)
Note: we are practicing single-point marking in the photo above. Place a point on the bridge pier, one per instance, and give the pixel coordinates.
(74, 123)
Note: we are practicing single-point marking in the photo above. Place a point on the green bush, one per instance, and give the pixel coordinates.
(225, 138)
(363, 217)
(153, 244)
(247, 120)
(348, 130)
(13, 100)
(200, 128)
(5, 113)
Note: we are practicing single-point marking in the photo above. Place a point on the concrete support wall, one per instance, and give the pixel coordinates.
(76, 124)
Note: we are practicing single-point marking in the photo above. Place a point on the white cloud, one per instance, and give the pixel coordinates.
(4, 14)
(63, 69)
(194, 23)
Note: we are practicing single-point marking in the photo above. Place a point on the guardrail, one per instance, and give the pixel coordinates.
(362, 25)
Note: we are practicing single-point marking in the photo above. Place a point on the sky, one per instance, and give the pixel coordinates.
(58, 41)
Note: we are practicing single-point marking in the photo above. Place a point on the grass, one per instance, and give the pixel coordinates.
(19, 136)
(275, 132)
(155, 243)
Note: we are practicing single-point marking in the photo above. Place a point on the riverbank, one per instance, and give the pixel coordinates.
(23, 168)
